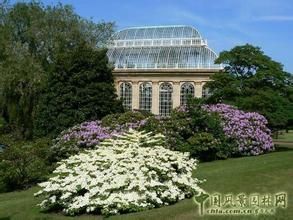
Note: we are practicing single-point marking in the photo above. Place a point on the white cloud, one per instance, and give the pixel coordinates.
(275, 18)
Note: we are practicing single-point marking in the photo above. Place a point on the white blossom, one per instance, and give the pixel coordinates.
(129, 173)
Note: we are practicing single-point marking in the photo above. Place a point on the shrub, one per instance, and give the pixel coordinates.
(248, 129)
(192, 129)
(154, 124)
(23, 164)
(116, 120)
(4, 127)
(86, 136)
(130, 173)
(2, 123)
(82, 136)
(206, 147)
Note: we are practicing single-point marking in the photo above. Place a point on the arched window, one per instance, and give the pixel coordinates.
(165, 99)
(187, 89)
(206, 92)
(126, 95)
(145, 96)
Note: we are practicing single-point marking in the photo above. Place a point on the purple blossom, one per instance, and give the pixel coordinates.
(91, 133)
(249, 129)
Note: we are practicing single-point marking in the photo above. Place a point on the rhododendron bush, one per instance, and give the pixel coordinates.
(131, 172)
(86, 135)
(249, 129)
(235, 132)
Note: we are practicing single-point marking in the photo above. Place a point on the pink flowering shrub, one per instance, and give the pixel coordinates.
(249, 129)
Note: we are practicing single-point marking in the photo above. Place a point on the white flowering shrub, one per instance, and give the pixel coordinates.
(132, 172)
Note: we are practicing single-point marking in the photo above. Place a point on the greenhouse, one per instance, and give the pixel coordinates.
(157, 67)
(161, 47)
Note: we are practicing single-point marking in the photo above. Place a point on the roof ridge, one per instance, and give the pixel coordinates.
(154, 26)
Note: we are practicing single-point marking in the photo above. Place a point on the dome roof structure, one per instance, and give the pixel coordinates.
(161, 47)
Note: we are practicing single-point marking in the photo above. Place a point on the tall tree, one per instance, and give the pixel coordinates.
(253, 81)
(31, 37)
(80, 88)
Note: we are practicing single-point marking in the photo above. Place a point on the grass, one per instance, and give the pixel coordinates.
(268, 173)
(285, 137)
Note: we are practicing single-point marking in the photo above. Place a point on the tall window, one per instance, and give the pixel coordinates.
(145, 96)
(187, 89)
(165, 99)
(206, 92)
(126, 95)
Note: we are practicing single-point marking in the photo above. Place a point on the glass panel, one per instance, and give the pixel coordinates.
(160, 47)
(165, 101)
(187, 89)
(145, 97)
(126, 95)
(206, 93)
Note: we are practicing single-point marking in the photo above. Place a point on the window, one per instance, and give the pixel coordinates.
(165, 99)
(187, 89)
(145, 96)
(206, 92)
(126, 95)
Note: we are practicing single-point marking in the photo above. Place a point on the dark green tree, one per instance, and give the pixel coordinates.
(80, 88)
(31, 37)
(253, 81)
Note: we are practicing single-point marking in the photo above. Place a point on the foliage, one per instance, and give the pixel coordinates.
(280, 108)
(254, 82)
(83, 136)
(86, 136)
(130, 173)
(248, 129)
(212, 132)
(207, 132)
(32, 37)
(23, 164)
(192, 129)
(3, 125)
(206, 147)
(120, 119)
(80, 88)
(20, 82)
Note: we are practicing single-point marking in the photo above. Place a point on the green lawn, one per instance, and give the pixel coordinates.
(268, 173)
(285, 137)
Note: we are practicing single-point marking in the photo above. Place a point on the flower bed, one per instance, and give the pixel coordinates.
(130, 173)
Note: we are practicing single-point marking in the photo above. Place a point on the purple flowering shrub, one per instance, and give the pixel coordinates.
(249, 129)
(192, 129)
(86, 136)
(207, 132)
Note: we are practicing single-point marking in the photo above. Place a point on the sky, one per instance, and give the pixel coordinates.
(224, 23)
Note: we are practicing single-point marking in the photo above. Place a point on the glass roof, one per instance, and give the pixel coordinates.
(161, 47)
(157, 32)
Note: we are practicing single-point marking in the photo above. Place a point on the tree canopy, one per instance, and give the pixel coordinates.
(80, 88)
(32, 37)
(253, 81)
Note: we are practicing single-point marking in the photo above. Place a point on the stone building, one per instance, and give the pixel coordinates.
(156, 68)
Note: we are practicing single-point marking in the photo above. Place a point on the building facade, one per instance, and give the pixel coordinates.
(156, 68)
